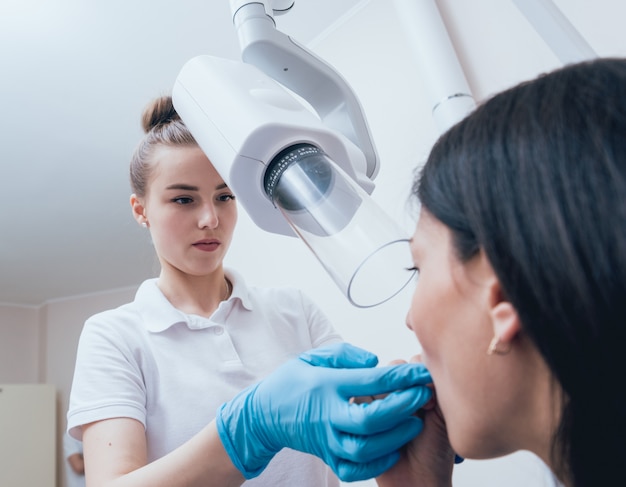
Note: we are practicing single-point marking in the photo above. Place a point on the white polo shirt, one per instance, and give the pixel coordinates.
(171, 371)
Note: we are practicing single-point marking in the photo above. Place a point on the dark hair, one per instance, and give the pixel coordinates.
(536, 177)
(162, 126)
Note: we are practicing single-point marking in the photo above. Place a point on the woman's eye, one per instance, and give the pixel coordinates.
(182, 200)
(226, 197)
(415, 272)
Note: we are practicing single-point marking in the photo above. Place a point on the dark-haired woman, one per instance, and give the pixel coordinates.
(520, 305)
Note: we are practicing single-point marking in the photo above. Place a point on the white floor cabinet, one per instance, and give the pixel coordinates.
(27, 435)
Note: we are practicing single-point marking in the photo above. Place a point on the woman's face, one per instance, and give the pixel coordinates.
(190, 211)
(450, 316)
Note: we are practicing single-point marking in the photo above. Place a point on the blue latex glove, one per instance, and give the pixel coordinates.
(305, 405)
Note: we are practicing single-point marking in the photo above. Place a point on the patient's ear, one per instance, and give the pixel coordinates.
(502, 314)
(504, 317)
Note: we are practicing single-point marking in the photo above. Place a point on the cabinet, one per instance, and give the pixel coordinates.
(27, 435)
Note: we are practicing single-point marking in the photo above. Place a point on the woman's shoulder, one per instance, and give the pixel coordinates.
(128, 312)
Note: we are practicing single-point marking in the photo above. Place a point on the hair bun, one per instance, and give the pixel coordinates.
(160, 111)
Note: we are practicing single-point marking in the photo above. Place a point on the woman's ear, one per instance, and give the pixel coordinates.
(504, 317)
(501, 312)
(139, 210)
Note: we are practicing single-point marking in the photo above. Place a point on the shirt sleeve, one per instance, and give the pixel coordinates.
(107, 377)
(321, 329)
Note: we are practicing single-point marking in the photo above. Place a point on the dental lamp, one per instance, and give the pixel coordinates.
(289, 137)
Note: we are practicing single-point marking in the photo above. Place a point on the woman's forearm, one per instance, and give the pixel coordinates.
(200, 462)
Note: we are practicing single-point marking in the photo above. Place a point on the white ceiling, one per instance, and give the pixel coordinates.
(75, 76)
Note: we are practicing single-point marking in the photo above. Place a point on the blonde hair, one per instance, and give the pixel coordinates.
(162, 126)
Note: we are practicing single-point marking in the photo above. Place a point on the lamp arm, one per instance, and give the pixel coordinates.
(556, 30)
(304, 73)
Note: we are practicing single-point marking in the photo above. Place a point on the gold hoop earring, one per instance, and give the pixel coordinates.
(493, 348)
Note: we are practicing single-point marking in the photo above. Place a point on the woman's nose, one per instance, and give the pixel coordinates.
(208, 217)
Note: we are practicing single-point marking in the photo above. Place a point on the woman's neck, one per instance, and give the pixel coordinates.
(199, 295)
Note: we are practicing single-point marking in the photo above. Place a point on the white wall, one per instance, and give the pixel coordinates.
(19, 344)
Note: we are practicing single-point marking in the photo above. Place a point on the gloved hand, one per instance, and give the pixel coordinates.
(305, 405)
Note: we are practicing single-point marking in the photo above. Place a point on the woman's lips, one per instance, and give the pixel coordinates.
(207, 245)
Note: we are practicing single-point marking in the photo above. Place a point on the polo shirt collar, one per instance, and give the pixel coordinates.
(240, 289)
(158, 313)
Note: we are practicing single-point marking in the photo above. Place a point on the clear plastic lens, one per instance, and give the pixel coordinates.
(382, 275)
(363, 250)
